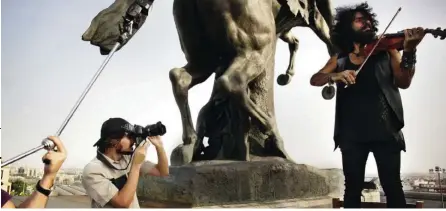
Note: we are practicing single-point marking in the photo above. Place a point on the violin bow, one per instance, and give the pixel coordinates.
(376, 44)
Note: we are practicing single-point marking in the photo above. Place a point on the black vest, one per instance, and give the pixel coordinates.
(384, 76)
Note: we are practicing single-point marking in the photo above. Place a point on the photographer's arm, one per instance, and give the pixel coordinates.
(103, 191)
(125, 196)
(159, 170)
(162, 168)
(163, 164)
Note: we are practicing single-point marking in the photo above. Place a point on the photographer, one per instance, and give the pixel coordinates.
(39, 198)
(111, 178)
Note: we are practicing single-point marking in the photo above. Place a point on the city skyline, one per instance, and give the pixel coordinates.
(46, 66)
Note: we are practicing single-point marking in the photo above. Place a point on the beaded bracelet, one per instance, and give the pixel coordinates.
(408, 59)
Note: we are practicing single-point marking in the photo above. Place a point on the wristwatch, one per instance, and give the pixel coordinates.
(42, 190)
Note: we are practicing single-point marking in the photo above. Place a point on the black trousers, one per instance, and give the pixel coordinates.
(388, 161)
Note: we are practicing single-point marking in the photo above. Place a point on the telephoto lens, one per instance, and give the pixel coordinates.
(157, 129)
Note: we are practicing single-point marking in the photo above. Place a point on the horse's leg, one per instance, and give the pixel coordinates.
(245, 67)
(322, 30)
(325, 9)
(182, 80)
(197, 51)
(234, 82)
(293, 45)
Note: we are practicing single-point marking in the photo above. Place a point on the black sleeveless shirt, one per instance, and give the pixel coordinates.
(363, 113)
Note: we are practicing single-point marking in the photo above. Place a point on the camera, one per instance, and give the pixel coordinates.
(140, 133)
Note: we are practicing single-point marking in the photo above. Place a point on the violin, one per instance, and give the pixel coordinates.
(385, 42)
(396, 41)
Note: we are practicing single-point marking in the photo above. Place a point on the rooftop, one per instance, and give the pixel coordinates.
(60, 201)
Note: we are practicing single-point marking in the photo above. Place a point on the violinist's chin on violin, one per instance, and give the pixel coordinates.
(369, 113)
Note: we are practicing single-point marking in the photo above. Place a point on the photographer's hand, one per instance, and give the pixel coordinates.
(140, 155)
(162, 168)
(156, 141)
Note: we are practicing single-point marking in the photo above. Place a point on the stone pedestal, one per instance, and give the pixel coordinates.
(262, 182)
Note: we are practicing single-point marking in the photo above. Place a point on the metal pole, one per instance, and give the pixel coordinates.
(18, 157)
(441, 190)
(81, 98)
(48, 144)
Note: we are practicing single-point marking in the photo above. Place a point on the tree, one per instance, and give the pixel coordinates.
(18, 188)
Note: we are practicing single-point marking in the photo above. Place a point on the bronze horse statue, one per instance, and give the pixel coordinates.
(236, 41)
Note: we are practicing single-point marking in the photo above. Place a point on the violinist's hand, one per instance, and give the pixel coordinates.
(347, 77)
(413, 37)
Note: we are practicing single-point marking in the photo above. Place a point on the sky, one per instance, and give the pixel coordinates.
(45, 66)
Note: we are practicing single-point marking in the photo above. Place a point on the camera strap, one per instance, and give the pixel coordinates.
(119, 182)
(104, 160)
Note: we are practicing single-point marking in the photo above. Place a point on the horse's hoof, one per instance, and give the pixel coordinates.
(283, 79)
(328, 92)
(181, 155)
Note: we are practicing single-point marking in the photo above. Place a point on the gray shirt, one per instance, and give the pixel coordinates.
(96, 181)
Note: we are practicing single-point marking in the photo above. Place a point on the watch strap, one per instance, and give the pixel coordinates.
(42, 190)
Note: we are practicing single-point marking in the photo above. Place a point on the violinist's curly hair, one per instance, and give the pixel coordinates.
(342, 32)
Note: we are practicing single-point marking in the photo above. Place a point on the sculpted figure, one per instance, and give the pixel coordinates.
(320, 21)
(236, 41)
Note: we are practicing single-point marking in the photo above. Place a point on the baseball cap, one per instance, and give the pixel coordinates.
(112, 128)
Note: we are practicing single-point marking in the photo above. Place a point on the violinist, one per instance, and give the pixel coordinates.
(369, 112)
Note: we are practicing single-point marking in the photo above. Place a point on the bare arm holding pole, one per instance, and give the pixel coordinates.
(39, 198)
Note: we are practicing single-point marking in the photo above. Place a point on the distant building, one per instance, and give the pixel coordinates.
(6, 185)
(21, 171)
(28, 172)
(13, 170)
(419, 182)
(371, 190)
(65, 179)
(426, 185)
